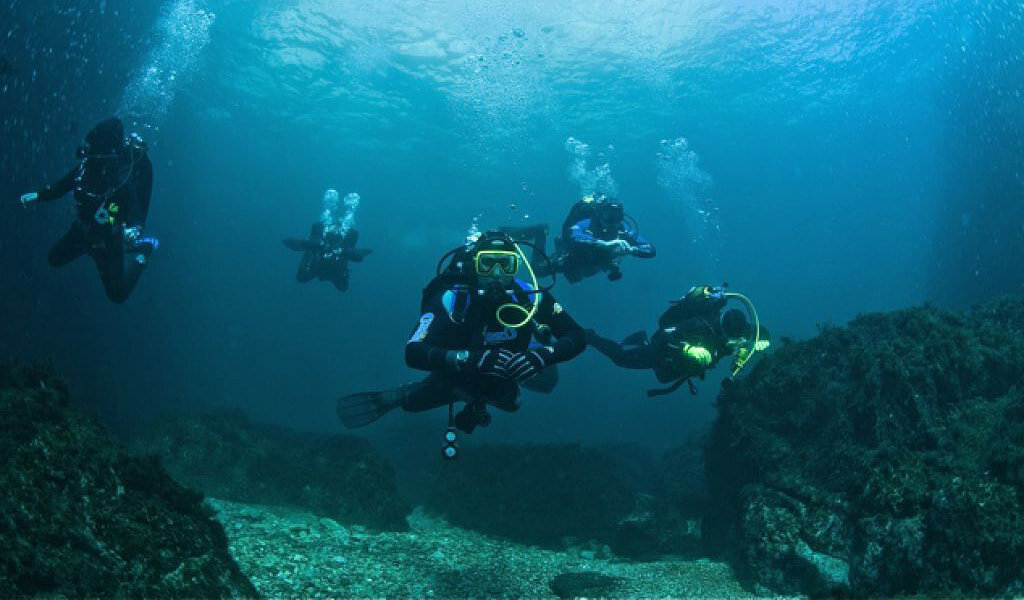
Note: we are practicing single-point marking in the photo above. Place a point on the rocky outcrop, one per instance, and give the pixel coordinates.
(227, 456)
(80, 517)
(884, 458)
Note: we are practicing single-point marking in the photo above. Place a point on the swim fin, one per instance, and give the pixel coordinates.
(363, 408)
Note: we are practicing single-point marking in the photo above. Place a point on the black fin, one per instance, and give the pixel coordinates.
(363, 408)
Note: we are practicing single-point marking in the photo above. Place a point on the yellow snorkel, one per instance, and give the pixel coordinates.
(743, 355)
(527, 314)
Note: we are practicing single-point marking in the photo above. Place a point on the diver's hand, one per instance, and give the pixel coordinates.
(761, 345)
(621, 247)
(530, 363)
(491, 362)
(131, 235)
(698, 354)
(28, 198)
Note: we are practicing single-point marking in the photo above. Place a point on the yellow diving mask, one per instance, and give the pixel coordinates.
(487, 261)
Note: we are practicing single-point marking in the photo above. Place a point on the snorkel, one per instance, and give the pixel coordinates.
(515, 306)
(744, 354)
(462, 263)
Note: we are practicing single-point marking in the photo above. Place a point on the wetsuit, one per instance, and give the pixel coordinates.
(585, 255)
(662, 352)
(112, 193)
(579, 252)
(459, 320)
(326, 257)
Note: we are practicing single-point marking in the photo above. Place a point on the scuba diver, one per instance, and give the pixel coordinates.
(693, 336)
(482, 332)
(112, 185)
(331, 243)
(595, 237)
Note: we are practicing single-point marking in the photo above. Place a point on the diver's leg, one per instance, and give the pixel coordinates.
(118, 278)
(306, 271)
(434, 391)
(543, 382)
(571, 273)
(69, 247)
(340, 280)
(637, 356)
(505, 397)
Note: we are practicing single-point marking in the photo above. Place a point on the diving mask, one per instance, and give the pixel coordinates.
(486, 262)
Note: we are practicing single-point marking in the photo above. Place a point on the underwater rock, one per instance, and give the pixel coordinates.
(560, 495)
(80, 517)
(583, 585)
(884, 458)
(227, 456)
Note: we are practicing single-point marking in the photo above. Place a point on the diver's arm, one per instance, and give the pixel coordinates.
(641, 248)
(580, 234)
(420, 352)
(356, 254)
(58, 189)
(570, 338)
(427, 349)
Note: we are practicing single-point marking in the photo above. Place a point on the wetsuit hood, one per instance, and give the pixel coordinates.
(106, 137)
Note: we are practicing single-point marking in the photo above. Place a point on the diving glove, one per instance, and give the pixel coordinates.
(527, 364)
(620, 247)
(28, 198)
(761, 345)
(698, 354)
(489, 362)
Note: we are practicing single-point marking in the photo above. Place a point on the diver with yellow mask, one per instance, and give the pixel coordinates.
(693, 336)
(482, 331)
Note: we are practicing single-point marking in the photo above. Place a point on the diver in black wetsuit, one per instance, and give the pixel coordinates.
(112, 186)
(693, 336)
(331, 243)
(477, 336)
(595, 237)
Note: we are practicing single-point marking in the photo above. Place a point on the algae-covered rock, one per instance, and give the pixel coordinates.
(227, 456)
(884, 458)
(79, 517)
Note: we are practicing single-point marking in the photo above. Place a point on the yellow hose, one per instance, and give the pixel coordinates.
(742, 361)
(516, 306)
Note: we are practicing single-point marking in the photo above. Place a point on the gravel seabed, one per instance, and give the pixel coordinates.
(288, 553)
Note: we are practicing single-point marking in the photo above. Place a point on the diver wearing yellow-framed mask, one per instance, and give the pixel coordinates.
(485, 327)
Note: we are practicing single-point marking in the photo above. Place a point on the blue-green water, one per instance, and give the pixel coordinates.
(824, 158)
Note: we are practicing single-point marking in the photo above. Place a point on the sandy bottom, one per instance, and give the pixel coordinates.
(289, 553)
